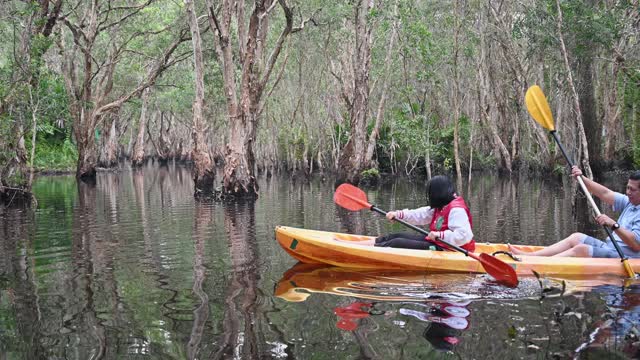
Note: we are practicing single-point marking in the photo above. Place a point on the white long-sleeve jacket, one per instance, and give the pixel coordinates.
(459, 232)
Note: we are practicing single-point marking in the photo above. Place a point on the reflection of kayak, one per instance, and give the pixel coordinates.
(302, 279)
(353, 251)
(447, 292)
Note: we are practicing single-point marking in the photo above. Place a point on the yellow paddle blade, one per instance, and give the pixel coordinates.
(629, 269)
(539, 107)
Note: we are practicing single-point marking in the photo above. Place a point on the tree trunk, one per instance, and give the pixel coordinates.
(165, 151)
(373, 137)
(353, 158)
(612, 112)
(239, 166)
(245, 101)
(85, 141)
(34, 132)
(137, 158)
(203, 175)
(456, 99)
(583, 153)
(483, 103)
(110, 157)
(587, 101)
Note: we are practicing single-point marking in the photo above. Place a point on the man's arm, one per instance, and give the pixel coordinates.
(602, 192)
(629, 236)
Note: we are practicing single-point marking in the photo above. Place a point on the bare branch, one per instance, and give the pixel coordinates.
(136, 9)
(162, 64)
(217, 30)
(278, 47)
(275, 83)
(77, 33)
(51, 17)
(268, 10)
(242, 40)
(343, 89)
(304, 22)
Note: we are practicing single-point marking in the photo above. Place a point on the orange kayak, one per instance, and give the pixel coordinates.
(357, 251)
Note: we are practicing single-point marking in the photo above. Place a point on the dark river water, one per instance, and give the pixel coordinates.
(135, 268)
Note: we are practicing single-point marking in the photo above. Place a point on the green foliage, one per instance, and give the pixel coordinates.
(484, 161)
(39, 45)
(590, 25)
(369, 177)
(631, 101)
(414, 135)
(18, 178)
(54, 150)
(341, 131)
(55, 156)
(293, 142)
(298, 143)
(559, 169)
(372, 173)
(419, 42)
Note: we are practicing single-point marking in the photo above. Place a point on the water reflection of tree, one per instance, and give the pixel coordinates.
(151, 256)
(241, 298)
(529, 211)
(109, 185)
(81, 296)
(352, 222)
(202, 219)
(17, 269)
(106, 285)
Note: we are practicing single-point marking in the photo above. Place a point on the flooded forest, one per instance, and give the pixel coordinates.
(350, 89)
(150, 148)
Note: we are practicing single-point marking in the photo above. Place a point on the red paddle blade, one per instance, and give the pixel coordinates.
(351, 197)
(500, 270)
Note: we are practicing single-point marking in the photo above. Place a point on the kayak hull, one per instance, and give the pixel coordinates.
(357, 251)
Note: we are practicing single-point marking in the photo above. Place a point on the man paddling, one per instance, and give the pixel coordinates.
(626, 230)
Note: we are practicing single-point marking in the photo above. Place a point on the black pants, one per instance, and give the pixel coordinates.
(406, 241)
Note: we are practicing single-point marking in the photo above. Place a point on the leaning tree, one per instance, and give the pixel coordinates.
(100, 39)
(246, 71)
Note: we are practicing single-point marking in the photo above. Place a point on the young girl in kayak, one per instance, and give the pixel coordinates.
(447, 215)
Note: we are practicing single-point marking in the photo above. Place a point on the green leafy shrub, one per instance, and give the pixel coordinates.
(370, 173)
(56, 157)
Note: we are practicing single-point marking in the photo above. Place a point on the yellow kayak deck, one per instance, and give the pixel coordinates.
(357, 251)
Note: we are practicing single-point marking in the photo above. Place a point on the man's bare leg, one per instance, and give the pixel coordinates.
(580, 250)
(561, 246)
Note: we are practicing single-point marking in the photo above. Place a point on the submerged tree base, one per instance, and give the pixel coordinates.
(10, 196)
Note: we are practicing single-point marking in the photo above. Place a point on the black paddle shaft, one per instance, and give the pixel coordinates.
(606, 228)
(420, 230)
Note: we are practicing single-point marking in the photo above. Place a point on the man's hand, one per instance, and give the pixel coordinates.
(603, 219)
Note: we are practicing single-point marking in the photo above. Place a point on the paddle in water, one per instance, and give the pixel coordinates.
(541, 112)
(354, 199)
